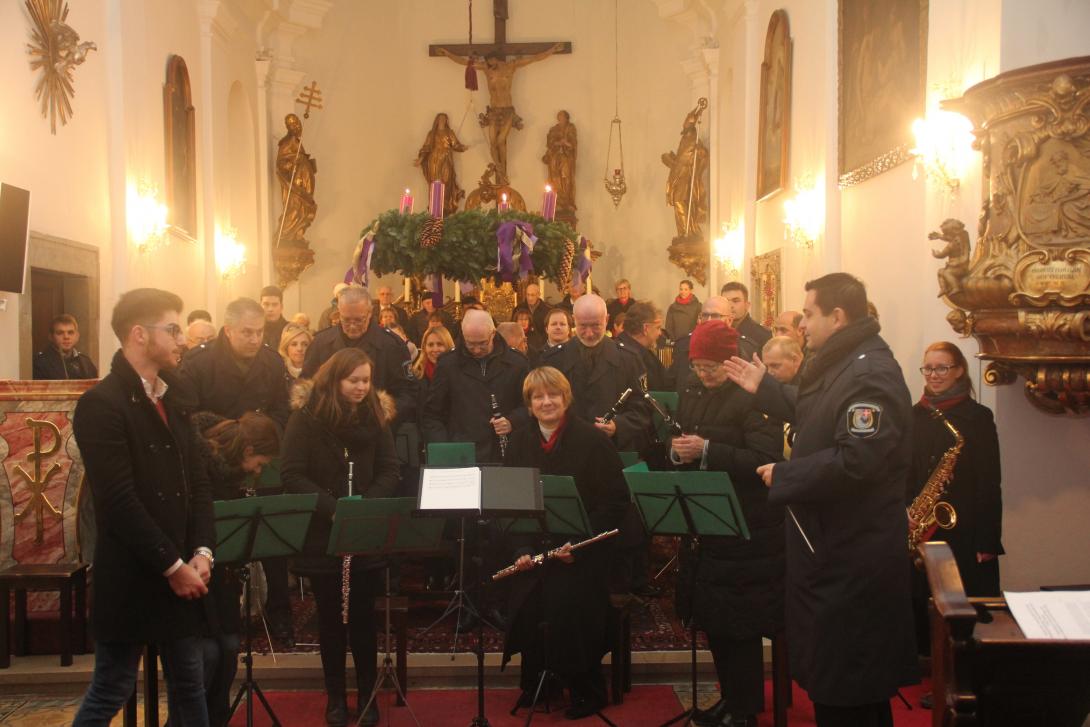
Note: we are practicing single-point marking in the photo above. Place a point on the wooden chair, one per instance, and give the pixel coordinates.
(984, 671)
(70, 580)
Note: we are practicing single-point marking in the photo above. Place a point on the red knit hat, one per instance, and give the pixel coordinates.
(714, 341)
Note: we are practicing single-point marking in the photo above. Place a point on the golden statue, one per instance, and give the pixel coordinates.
(687, 185)
(296, 171)
(500, 117)
(560, 150)
(436, 161)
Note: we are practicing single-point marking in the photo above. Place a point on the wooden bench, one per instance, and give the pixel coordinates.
(69, 579)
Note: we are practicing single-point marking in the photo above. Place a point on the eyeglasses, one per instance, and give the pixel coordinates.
(940, 370)
(711, 316)
(704, 368)
(173, 329)
(354, 321)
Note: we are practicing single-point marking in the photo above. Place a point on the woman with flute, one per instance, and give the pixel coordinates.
(734, 589)
(558, 618)
(341, 426)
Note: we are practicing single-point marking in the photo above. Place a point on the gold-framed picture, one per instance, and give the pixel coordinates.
(774, 125)
(882, 83)
(766, 287)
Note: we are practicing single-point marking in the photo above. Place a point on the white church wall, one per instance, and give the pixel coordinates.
(383, 91)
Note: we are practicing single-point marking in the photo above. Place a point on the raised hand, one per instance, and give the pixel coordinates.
(747, 374)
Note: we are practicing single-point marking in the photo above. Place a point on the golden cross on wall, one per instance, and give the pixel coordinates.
(38, 503)
(310, 97)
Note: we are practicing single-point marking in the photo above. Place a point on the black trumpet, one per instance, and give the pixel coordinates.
(612, 413)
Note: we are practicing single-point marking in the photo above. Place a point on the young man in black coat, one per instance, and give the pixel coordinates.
(458, 407)
(849, 618)
(737, 296)
(386, 349)
(272, 304)
(61, 360)
(153, 511)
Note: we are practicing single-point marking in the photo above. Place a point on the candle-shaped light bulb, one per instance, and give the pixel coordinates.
(548, 204)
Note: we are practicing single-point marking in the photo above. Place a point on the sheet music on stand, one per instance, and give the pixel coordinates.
(1058, 615)
(479, 491)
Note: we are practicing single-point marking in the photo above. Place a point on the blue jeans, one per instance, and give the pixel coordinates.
(114, 679)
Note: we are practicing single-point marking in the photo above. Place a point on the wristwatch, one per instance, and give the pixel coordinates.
(207, 553)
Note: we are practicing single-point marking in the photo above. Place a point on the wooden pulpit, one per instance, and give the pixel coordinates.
(984, 671)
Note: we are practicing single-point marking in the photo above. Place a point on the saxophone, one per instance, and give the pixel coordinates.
(928, 512)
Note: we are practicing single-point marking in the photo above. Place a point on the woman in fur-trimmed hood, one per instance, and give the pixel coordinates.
(340, 419)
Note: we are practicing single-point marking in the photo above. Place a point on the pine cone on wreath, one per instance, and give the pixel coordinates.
(565, 263)
(431, 232)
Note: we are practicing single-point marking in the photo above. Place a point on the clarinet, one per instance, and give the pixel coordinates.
(671, 423)
(346, 561)
(612, 413)
(503, 437)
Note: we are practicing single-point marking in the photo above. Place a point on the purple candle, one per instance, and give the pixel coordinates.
(407, 202)
(548, 204)
(435, 203)
(504, 205)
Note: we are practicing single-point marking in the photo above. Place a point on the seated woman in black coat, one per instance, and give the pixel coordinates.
(343, 419)
(738, 594)
(575, 603)
(974, 491)
(233, 452)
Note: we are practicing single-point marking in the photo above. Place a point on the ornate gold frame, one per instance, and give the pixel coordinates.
(766, 286)
(899, 153)
(766, 187)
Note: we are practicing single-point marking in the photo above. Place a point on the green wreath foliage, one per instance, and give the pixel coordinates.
(467, 249)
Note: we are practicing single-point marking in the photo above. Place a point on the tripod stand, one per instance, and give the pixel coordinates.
(387, 670)
(247, 530)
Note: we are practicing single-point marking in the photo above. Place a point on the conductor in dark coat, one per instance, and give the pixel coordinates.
(738, 596)
(849, 617)
(153, 514)
(237, 372)
(458, 407)
(573, 598)
(599, 371)
(355, 330)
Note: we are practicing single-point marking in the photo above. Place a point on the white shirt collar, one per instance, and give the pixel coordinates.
(155, 390)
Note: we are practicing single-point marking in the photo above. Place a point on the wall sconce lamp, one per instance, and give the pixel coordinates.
(729, 249)
(804, 214)
(944, 148)
(146, 217)
(230, 253)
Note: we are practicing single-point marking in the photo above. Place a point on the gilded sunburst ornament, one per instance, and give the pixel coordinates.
(55, 49)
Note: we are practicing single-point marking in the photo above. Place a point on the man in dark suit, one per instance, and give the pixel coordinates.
(272, 303)
(61, 360)
(737, 296)
(234, 374)
(642, 326)
(153, 510)
(355, 330)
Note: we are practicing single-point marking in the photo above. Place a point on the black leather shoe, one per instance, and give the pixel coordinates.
(371, 716)
(584, 708)
(336, 711)
(710, 717)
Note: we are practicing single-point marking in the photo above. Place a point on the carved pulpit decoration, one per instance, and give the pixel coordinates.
(1023, 291)
(493, 60)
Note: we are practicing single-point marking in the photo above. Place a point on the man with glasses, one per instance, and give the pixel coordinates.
(715, 308)
(622, 302)
(355, 330)
(153, 510)
(480, 369)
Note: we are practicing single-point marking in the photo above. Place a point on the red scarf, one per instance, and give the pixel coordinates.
(685, 300)
(953, 396)
(429, 369)
(547, 445)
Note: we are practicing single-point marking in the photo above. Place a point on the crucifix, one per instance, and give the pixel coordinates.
(491, 58)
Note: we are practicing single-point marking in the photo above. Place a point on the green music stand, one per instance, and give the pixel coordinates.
(452, 454)
(564, 512)
(692, 504)
(629, 458)
(253, 528)
(382, 527)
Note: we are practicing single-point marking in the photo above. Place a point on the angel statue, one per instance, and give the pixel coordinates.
(686, 186)
(436, 161)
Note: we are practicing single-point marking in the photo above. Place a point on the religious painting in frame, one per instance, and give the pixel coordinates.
(766, 287)
(774, 126)
(882, 81)
(180, 141)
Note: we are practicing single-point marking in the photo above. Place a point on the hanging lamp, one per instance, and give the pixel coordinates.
(614, 175)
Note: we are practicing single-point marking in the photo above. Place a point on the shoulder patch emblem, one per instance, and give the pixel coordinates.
(864, 419)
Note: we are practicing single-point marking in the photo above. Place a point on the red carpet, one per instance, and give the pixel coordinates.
(645, 706)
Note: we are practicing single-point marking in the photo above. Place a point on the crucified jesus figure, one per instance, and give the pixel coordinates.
(499, 117)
